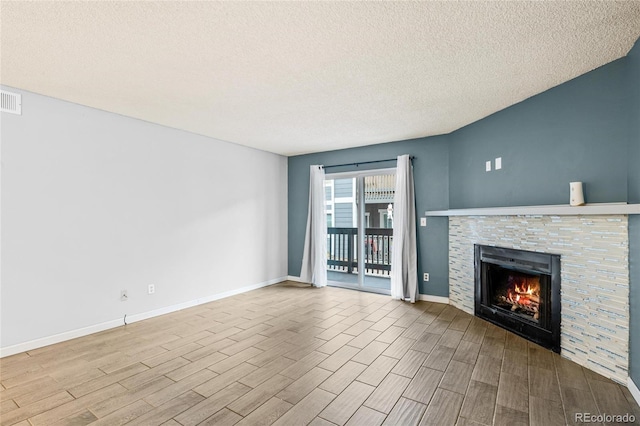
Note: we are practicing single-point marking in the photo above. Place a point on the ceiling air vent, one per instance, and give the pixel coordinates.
(10, 102)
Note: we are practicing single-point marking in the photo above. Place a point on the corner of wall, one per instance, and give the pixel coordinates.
(633, 157)
(633, 389)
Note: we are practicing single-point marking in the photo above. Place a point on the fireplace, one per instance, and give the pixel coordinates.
(519, 290)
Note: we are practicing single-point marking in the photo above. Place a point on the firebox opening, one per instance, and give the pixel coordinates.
(516, 292)
(519, 290)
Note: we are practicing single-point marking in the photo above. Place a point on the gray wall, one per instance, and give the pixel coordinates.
(633, 88)
(432, 192)
(634, 221)
(574, 132)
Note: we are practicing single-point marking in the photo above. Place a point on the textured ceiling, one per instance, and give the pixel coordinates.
(297, 77)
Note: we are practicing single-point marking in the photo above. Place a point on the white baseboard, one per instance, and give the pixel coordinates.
(72, 334)
(436, 299)
(425, 297)
(57, 338)
(634, 390)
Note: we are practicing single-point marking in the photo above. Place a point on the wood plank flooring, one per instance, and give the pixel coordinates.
(289, 354)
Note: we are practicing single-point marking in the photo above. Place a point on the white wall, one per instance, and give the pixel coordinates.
(94, 202)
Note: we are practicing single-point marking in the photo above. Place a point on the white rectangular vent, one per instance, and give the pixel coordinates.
(10, 102)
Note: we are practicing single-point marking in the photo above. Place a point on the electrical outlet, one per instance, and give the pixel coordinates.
(423, 221)
(426, 276)
(124, 295)
(152, 288)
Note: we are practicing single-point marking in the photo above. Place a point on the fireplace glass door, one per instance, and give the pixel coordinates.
(520, 293)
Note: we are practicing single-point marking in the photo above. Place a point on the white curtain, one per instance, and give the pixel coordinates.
(404, 257)
(314, 258)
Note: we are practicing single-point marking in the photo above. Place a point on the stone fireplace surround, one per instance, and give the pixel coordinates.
(594, 251)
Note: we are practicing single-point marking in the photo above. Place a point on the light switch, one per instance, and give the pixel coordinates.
(423, 221)
(498, 163)
(488, 166)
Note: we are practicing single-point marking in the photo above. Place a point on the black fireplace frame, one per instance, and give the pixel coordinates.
(547, 333)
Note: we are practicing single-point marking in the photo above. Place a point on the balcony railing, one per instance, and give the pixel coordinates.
(379, 188)
(342, 250)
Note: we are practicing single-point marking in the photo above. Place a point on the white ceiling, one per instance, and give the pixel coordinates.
(298, 77)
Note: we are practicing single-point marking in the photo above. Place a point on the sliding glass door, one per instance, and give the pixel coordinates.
(359, 210)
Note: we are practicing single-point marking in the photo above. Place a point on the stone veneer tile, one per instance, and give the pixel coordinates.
(594, 270)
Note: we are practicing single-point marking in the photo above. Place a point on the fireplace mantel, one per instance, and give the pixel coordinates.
(550, 210)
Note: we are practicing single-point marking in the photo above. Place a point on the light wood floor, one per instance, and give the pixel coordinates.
(293, 355)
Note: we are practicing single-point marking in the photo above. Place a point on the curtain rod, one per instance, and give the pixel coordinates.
(364, 162)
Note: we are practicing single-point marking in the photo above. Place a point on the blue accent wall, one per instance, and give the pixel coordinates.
(431, 175)
(633, 59)
(633, 87)
(573, 132)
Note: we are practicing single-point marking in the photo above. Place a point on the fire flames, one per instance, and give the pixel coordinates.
(523, 294)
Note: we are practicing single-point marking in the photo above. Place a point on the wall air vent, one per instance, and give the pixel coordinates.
(10, 102)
